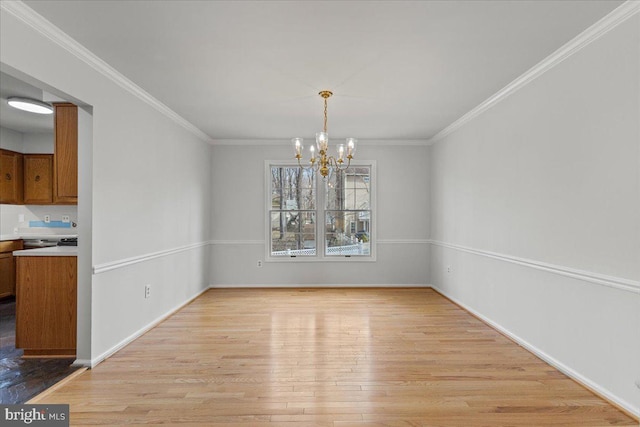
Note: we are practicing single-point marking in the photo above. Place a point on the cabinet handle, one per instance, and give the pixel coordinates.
(8, 177)
(37, 178)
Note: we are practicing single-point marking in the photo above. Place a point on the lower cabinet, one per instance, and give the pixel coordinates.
(46, 301)
(8, 267)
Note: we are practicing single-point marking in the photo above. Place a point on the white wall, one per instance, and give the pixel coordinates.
(38, 142)
(536, 207)
(150, 186)
(12, 228)
(11, 140)
(238, 220)
(30, 142)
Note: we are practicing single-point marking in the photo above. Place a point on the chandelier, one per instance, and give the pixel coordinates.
(322, 161)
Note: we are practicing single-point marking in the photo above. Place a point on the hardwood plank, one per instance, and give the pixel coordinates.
(328, 357)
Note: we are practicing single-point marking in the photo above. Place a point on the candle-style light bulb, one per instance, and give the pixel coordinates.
(351, 146)
(340, 153)
(313, 153)
(297, 146)
(322, 140)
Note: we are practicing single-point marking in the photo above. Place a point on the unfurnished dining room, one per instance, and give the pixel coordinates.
(320, 213)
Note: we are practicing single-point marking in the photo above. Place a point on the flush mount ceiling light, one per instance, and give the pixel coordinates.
(30, 105)
(324, 162)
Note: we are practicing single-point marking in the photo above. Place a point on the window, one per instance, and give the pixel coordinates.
(293, 214)
(347, 212)
(313, 218)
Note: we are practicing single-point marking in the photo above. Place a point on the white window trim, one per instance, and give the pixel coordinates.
(320, 236)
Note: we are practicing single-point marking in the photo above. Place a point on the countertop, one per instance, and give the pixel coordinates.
(51, 251)
(35, 236)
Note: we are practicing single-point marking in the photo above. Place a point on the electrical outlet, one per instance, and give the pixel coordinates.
(448, 269)
(147, 291)
(66, 219)
(259, 263)
(47, 219)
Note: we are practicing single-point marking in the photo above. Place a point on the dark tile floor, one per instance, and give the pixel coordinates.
(22, 379)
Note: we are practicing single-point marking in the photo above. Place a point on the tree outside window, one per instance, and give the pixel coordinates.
(344, 204)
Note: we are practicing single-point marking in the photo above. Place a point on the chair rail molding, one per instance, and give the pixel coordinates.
(108, 266)
(587, 276)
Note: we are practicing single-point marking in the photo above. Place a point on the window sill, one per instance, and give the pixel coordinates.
(339, 259)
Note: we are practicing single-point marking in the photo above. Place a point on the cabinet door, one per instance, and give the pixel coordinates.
(10, 177)
(7, 275)
(46, 305)
(65, 168)
(38, 179)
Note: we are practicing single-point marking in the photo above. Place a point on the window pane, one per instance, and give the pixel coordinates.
(292, 188)
(293, 233)
(348, 189)
(347, 233)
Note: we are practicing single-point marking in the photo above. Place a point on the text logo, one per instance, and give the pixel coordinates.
(35, 415)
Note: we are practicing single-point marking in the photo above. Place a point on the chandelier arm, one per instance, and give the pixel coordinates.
(339, 165)
(349, 162)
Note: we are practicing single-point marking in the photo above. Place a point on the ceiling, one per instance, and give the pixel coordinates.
(252, 69)
(22, 121)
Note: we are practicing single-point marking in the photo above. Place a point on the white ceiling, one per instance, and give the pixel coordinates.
(21, 121)
(252, 69)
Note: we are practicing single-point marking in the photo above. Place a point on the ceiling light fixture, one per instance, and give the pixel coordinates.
(30, 105)
(324, 162)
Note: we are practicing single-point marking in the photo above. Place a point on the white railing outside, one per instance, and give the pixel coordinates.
(355, 249)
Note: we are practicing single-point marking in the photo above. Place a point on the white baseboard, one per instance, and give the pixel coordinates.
(96, 360)
(85, 363)
(320, 285)
(576, 376)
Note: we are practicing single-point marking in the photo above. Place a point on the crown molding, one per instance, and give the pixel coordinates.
(36, 21)
(594, 32)
(286, 142)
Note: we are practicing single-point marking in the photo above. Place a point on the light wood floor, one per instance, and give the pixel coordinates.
(330, 357)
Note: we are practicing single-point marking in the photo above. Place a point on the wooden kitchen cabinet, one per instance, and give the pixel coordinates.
(38, 179)
(7, 275)
(11, 177)
(65, 159)
(46, 301)
(8, 267)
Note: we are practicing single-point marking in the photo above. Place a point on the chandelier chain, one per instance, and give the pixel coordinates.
(325, 115)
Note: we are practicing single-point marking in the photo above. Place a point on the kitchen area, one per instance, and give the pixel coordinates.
(38, 240)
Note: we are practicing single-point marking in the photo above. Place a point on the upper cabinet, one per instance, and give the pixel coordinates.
(38, 179)
(44, 179)
(11, 177)
(65, 157)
